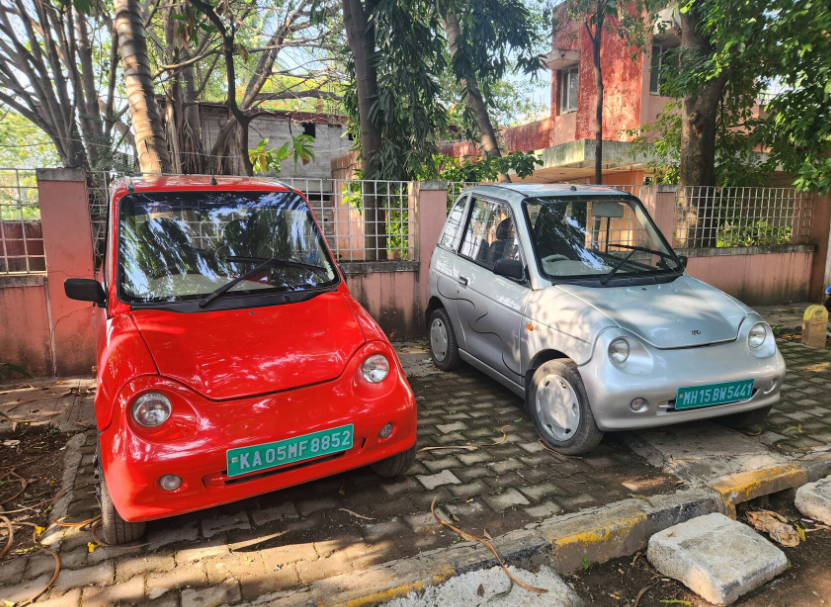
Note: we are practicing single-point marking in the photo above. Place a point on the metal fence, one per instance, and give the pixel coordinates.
(741, 217)
(21, 238)
(361, 220)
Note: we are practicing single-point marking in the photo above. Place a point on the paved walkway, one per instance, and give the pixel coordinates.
(41, 402)
(284, 541)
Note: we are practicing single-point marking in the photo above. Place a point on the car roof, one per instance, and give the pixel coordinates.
(161, 183)
(517, 192)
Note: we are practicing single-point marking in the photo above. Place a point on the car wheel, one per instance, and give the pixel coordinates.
(114, 529)
(395, 465)
(746, 419)
(444, 348)
(560, 408)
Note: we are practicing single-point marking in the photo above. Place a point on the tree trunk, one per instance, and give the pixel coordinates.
(699, 113)
(597, 40)
(361, 38)
(147, 123)
(472, 94)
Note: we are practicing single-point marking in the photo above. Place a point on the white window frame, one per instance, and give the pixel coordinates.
(565, 77)
(661, 49)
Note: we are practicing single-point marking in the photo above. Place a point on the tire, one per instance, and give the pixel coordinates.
(746, 419)
(561, 411)
(395, 465)
(114, 529)
(444, 349)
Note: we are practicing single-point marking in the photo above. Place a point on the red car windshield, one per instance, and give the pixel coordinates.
(178, 246)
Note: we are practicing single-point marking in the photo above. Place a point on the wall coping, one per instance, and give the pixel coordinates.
(757, 250)
(61, 175)
(378, 267)
(433, 185)
(665, 187)
(15, 281)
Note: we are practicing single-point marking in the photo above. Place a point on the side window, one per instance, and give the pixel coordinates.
(490, 234)
(454, 221)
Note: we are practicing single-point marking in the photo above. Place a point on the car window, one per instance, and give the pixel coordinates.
(490, 234)
(454, 220)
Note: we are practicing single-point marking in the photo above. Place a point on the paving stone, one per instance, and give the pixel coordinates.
(216, 546)
(505, 500)
(531, 447)
(227, 592)
(183, 576)
(308, 507)
(88, 576)
(70, 599)
(221, 524)
(132, 566)
(544, 510)
(445, 463)
(475, 457)
(25, 590)
(279, 556)
(398, 487)
(814, 500)
(282, 512)
(448, 428)
(717, 558)
(386, 530)
(131, 591)
(473, 508)
(506, 466)
(541, 490)
(38, 564)
(469, 490)
(337, 564)
(442, 478)
(184, 533)
(12, 571)
(425, 521)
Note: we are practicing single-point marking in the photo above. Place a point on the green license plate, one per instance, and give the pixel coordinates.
(244, 460)
(714, 394)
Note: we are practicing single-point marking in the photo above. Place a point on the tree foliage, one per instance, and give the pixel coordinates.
(475, 170)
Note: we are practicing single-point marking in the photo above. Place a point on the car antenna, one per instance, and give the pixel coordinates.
(573, 188)
(213, 180)
(130, 187)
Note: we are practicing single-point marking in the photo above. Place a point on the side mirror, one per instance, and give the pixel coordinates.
(683, 259)
(510, 268)
(85, 289)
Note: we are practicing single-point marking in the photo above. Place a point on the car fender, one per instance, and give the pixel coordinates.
(122, 357)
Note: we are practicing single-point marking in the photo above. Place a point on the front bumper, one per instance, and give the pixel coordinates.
(611, 390)
(195, 439)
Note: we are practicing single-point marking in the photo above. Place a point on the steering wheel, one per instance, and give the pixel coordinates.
(555, 257)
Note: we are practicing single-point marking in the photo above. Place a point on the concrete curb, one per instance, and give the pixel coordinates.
(595, 534)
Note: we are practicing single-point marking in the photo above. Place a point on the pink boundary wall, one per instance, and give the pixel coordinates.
(49, 334)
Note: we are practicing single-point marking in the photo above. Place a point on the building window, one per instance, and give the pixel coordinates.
(661, 56)
(568, 90)
(309, 129)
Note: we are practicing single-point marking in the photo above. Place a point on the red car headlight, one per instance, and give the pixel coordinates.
(375, 368)
(151, 409)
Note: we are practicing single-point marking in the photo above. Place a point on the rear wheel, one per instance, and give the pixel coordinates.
(444, 349)
(395, 465)
(560, 408)
(114, 529)
(746, 419)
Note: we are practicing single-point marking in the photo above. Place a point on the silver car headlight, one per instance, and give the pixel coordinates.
(619, 350)
(151, 409)
(375, 368)
(757, 335)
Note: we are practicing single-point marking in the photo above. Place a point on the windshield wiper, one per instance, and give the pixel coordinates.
(265, 263)
(634, 250)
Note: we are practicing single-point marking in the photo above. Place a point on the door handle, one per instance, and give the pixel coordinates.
(463, 281)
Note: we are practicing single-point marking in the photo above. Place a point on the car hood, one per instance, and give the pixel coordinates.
(683, 313)
(227, 354)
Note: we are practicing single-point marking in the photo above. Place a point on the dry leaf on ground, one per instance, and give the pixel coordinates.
(774, 525)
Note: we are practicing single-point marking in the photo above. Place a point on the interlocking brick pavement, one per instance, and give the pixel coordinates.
(291, 538)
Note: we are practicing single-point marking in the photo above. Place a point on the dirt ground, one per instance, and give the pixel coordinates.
(31, 466)
(806, 584)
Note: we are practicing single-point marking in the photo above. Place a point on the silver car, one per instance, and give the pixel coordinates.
(572, 298)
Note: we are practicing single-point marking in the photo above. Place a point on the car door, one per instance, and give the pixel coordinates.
(444, 267)
(489, 306)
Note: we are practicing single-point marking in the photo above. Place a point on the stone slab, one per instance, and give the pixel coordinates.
(716, 557)
(814, 500)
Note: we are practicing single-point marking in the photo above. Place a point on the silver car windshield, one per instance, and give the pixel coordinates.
(577, 237)
(178, 246)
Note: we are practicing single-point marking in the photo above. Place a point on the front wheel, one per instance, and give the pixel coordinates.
(395, 465)
(560, 408)
(114, 529)
(444, 348)
(746, 419)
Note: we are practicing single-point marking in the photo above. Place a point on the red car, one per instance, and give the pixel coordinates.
(231, 359)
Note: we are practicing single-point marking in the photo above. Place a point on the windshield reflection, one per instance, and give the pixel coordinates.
(176, 246)
(581, 236)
